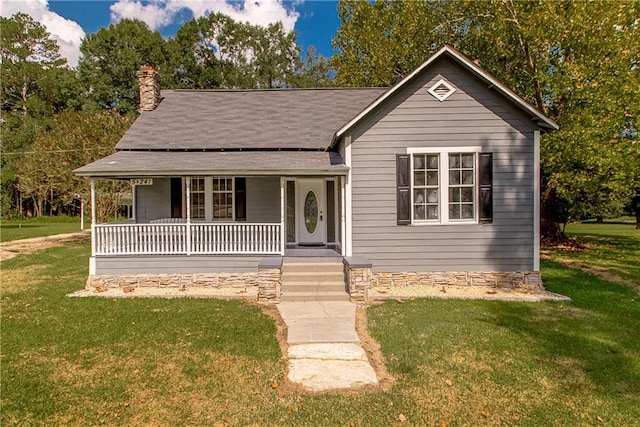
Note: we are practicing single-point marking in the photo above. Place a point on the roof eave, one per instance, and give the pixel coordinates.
(239, 172)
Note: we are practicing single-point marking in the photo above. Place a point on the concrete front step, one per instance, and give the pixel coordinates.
(314, 287)
(312, 277)
(314, 296)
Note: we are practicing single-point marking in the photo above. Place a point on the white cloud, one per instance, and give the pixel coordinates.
(67, 33)
(160, 13)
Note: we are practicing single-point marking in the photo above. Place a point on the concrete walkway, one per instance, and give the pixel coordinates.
(324, 348)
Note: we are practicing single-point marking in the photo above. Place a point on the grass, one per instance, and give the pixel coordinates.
(611, 250)
(68, 361)
(38, 227)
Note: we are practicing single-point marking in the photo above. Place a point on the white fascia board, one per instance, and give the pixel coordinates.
(238, 172)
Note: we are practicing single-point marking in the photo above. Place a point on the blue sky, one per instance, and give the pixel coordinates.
(315, 21)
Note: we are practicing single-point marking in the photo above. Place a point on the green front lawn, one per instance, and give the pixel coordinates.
(91, 361)
(610, 250)
(38, 227)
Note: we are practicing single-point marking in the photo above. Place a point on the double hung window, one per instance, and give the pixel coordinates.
(442, 186)
(217, 198)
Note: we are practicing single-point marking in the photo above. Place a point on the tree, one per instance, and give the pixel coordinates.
(66, 142)
(313, 71)
(215, 51)
(27, 52)
(111, 58)
(577, 62)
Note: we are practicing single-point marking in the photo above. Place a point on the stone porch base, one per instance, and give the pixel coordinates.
(265, 282)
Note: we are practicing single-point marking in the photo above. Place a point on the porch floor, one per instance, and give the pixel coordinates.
(311, 251)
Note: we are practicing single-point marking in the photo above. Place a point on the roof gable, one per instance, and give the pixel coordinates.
(541, 119)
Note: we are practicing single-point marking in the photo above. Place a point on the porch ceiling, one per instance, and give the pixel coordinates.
(170, 163)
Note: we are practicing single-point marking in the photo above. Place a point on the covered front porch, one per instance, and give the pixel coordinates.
(226, 215)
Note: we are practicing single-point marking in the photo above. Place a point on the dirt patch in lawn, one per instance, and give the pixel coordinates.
(374, 352)
(13, 248)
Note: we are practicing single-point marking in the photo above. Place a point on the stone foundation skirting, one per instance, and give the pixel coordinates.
(360, 279)
(266, 280)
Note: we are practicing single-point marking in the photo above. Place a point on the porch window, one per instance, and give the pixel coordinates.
(222, 199)
(197, 198)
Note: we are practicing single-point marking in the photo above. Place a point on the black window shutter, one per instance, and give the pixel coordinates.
(486, 188)
(241, 199)
(403, 186)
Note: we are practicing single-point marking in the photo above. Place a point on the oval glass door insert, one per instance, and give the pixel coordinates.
(311, 212)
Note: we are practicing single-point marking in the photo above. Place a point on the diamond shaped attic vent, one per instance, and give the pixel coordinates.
(441, 90)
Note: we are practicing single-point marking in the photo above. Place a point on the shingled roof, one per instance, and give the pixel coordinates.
(286, 119)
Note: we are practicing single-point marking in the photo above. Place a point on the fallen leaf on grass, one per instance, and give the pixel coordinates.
(399, 301)
(600, 419)
(126, 404)
(402, 418)
(448, 382)
(484, 413)
(274, 385)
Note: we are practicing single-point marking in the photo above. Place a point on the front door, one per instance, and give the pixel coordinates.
(312, 218)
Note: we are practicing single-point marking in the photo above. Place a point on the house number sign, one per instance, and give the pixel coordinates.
(142, 181)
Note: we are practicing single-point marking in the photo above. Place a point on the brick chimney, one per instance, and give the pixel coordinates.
(149, 82)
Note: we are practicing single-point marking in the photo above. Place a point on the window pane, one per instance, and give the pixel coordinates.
(466, 194)
(419, 196)
(419, 178)
(467, 177)
(418, 212)
(454, 211)
(432, 212)
(467, 211)
(454, 161)
(432, 196)
(454, 177)
(418, 161)
(467, 160)
(454, 194)
(432, 161)
(432, 178)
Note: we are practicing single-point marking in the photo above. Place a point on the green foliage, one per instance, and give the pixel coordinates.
(28, 52)
(577, 62)
(66, 142)
(111, 58)
(215, 51)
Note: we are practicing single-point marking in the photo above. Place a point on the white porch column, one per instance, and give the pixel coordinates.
(343, 217)
(93, 216)
(347, 204)
(283, 232)
(536, 200)
(133, 203)
(188, 209)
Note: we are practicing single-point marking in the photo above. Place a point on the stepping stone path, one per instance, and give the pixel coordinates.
(324, 348)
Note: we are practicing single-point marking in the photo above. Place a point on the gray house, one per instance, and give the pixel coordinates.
(432, 181)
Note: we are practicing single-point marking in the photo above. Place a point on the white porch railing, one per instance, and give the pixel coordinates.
(172, 239)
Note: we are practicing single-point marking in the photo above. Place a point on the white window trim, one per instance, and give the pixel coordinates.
(208, 199)
(443, 189)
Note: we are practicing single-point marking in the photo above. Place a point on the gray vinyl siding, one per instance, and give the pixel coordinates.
(473, 116)
(263, 199)
(176, 264)
(153, 201)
